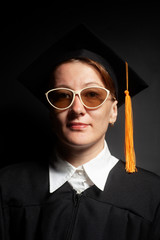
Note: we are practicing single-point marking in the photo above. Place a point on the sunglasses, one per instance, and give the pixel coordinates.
(90, 97)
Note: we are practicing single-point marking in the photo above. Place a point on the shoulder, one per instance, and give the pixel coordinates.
(142, 181)
(139, 192)
(21, 171)
(141, 176)
(21, 180)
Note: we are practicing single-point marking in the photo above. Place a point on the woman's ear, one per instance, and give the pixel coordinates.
(113, 113)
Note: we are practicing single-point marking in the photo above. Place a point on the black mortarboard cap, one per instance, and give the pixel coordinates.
(79, 42)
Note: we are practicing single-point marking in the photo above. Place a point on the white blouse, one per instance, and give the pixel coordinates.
(93, 172)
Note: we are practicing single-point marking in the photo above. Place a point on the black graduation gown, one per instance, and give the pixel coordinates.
(127, 209)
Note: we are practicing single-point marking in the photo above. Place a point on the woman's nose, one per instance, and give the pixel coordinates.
(77, 106)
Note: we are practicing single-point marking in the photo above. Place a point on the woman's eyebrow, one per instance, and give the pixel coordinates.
(93, 83)
(83, 85)
(62, 86)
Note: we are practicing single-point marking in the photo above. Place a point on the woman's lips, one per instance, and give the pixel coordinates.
(77, 125)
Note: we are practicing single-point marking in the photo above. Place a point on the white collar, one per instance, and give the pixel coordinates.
(97, 170)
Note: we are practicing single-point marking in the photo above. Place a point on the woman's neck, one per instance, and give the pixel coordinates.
(79, 155)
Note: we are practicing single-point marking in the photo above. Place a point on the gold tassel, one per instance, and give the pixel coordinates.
(129, 142)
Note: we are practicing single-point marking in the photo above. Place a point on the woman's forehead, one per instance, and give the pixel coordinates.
(76, 73)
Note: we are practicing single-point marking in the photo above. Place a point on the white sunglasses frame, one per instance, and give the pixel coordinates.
(78, 92)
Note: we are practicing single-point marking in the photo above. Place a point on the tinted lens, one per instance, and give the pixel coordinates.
(93, 97)
(61, 98)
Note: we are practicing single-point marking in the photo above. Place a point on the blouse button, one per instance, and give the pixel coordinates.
(80, 173)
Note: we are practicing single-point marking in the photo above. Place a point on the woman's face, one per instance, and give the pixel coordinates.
(79, 126)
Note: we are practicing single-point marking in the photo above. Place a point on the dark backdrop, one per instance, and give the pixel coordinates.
(131, 29)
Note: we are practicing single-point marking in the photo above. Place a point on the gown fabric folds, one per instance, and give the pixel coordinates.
(128, 208)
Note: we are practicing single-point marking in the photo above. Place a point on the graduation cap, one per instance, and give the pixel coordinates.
(81, 42)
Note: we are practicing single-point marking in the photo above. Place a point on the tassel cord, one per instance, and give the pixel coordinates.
(129, 143)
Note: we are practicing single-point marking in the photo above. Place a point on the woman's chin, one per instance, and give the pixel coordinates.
(79, 142)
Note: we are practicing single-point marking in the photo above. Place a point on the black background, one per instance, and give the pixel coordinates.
(131, 29)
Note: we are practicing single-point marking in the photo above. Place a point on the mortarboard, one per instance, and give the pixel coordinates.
(81, 42)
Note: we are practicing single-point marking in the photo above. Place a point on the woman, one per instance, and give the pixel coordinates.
(85, 193)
